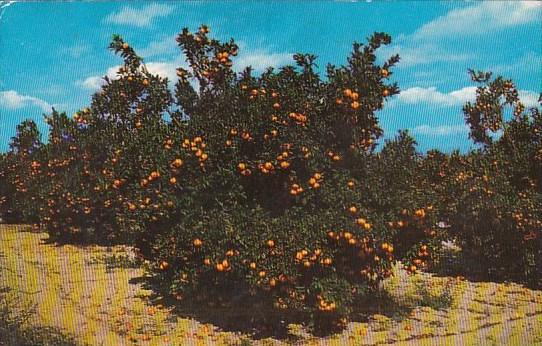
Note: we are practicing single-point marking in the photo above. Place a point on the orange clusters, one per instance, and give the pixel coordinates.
(333, 156)
(83, 116)
(168, 143)
(350, 97)
(296, 189)
(266, 167)
(324, 305)
(299, 118)
(197, 146)
(243, 169)
(315, 180)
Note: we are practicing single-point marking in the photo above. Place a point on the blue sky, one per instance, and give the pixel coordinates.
(55, 53)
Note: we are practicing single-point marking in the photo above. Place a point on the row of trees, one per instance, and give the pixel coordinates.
(270, 190)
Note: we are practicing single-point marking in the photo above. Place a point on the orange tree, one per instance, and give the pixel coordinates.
(273, 184)
(20, 171)
(261, 191)
(492, 197)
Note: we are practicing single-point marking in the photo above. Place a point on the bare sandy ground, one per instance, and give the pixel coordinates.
(75, 292)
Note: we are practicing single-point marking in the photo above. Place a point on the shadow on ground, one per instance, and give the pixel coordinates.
(247, 315)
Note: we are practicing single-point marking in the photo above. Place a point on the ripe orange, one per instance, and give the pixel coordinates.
(173, 180)
(164, 265)
(177, 163)
(197, 242)
(270, 243)
(420, 213)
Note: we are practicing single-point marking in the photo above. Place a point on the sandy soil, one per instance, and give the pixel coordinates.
(73, 290)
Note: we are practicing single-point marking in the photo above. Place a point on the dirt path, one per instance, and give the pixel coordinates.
(102, 307)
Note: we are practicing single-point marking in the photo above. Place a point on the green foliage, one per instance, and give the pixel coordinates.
(493, 196)
(267, 190)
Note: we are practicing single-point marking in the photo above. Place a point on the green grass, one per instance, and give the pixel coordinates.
(97, 294)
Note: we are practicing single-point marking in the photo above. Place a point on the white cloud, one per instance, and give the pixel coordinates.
(423, 47)
(432, 96)
(4, 5)
(525, 64)
(424, 53)
(166, 45)
(481, 18)
(260, 60)
(441, 130)
(96, 82)
(163, 69)
(77, 50)
(529, 98)
(141, 17)
(456, 98)
(459, 97)
(13, 100)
